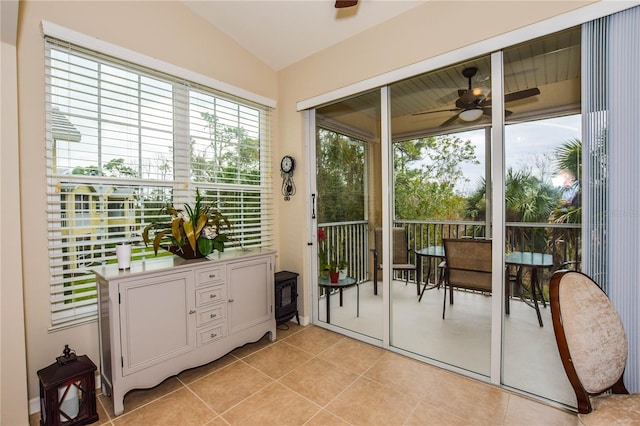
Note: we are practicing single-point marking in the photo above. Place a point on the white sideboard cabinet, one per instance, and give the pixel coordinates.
(166, 315)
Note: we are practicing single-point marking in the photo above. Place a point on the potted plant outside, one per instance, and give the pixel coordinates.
(334, 274)
(323, 261)
(343, 265)
(192, 233)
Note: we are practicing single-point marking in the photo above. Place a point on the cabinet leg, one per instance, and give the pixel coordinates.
(118, 403)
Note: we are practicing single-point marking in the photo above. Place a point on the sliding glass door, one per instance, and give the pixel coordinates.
(485, 149)
(439, 185)
(348, 168)
(543, 179)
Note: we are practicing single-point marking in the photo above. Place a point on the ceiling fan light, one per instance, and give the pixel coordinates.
(470, 114)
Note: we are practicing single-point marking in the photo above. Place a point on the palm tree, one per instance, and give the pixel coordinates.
(569, 159)
(527, 199)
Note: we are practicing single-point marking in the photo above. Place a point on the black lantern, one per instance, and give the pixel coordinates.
(68, 391)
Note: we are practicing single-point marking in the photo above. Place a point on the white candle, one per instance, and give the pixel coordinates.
(123, 253)
(70, 405)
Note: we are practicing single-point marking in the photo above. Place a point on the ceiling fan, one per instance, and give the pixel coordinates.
(341, 4)
(472, 103)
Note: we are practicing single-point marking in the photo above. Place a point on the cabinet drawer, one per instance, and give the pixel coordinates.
(211, 334)
(213, 294)
(210, 315)
(210, 276)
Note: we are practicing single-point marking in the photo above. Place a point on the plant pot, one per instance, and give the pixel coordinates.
(334, 276)
(186, 252)
(343, 274)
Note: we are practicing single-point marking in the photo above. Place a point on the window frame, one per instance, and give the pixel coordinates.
(68, 244)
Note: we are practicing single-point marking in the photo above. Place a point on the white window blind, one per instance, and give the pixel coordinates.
(594, 128)
(123, 141)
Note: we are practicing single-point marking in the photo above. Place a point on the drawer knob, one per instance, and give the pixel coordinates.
(212, 296)
(230, 300)
(212, 275)
(191, 312)
(213, 335)
(213, 315)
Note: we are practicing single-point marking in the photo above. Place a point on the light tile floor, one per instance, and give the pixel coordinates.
(531, 360)
(312, 376)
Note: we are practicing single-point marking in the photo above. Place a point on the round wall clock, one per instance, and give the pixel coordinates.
(287, 164)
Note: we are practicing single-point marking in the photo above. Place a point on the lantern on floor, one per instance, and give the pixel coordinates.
(68, 391)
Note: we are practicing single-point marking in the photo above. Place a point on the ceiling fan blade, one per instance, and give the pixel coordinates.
(515, 96)
(488, 111)
(341, 4)
(449, 121)
(522, 94)
(433, 112)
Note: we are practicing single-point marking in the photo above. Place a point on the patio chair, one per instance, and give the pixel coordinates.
(400, 259)
(593, 349)
(468, 266)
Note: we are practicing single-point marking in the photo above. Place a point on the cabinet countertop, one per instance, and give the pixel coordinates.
(158, 264)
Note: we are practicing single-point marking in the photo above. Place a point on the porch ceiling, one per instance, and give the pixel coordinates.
(551, 64)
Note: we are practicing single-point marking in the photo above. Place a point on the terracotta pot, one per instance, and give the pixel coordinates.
(334, 277)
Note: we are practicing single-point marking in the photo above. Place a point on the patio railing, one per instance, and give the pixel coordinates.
(350, 240)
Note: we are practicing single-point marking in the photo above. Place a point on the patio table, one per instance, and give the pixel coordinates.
(518, 259)
(327, 285)
(532, 260)
(430, 252)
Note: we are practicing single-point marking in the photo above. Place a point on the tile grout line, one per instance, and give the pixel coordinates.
(217, 415)
(318, 357)
(324, 408)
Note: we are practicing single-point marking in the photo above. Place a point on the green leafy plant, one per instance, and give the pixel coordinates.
(200, 226)
(327, 254)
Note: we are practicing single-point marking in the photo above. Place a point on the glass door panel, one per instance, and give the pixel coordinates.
(440, 187)
(349, 209)
(543, 206)
(440, 139)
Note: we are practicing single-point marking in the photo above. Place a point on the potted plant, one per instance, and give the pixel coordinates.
(342, 268)
(193, 232)
(322, 254)
(334, 274)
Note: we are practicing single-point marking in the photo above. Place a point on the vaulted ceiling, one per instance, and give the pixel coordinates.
(282, 32)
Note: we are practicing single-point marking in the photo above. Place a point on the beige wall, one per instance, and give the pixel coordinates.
(13, 384)
(168, 31)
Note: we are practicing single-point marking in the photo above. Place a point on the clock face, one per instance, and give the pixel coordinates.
(287, 164)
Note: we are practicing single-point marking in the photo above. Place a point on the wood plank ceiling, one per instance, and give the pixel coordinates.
(551, 63)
